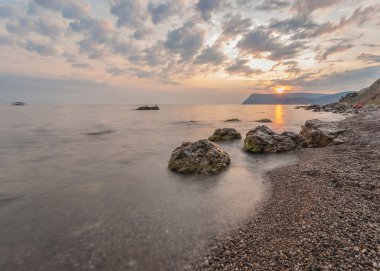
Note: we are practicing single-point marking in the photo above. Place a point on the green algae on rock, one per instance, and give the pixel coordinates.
(263, 140)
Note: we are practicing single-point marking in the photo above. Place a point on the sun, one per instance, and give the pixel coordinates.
(280, 90)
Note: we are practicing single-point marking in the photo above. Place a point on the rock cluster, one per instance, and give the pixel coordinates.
(334, 107)
(339, 108)
(319, 133)
(263, 140)
(205, 157)
(200, 157)
(224, 134)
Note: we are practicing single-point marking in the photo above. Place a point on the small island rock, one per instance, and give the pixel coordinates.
(18, 103)
(200, 157)
(263, 140)
(232, 120)
(266, 120)
(223, 134)
(148, 107)
(318, 133)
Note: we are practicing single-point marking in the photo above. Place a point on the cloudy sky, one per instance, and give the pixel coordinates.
(184, 51)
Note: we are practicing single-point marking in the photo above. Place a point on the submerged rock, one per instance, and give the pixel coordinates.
(223, 134)
(200, 157)
(98, 133)
(148, 107)
(263, 140)
(18, 103)
(318, 133)
(232, 120)
(266, 120)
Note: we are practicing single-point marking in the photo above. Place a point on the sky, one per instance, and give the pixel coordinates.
(184, 51)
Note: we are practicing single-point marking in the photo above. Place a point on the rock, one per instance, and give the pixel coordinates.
(319, 133)
(18, 103)
(334, 108)
(200, 157)
(297, 138)
(263, 140)
(224, 134)
(98, 133)
(266, 120)
(232, 120)
(148, 107)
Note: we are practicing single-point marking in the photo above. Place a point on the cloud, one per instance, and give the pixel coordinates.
(210, 55)
(370, 58)
(293, 24)
(269, 5)
(334, 50)
(156, 55)
(234, 25)
(292, 67)
(260, 41)
(142, 33)
(44, 26)
(163, 11)
(80, 65)
(95, 30)
(44, 49)
(306, 7)
(70, 9)
(359, 16)
(185, 41)
(207, 7)
(129, 13)
(115, 71)
(5, 40)
(92, 49)
(302, 26)
(349, 80)
(6, 12)
(241, 67)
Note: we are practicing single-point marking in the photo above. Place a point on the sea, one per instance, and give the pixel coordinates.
(86, 187)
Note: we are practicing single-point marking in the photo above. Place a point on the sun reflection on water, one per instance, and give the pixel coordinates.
(279, 114)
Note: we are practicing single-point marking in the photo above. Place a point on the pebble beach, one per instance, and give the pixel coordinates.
(322, 212)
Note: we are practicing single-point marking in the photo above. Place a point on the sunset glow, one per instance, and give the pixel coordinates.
(280, 90)
(171, 51)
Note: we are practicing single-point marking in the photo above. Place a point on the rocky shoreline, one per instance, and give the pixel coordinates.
(340, 108)
(322, 214)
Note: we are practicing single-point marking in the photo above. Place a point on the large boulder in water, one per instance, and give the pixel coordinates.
(318, 133)
(263, 140)
(224, 134)
(200, 157)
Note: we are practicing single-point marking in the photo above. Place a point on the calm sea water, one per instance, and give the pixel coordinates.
(87, 187)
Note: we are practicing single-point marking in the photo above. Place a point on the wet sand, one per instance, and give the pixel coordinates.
(322, 213)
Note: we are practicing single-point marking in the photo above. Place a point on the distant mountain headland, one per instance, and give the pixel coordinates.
(369, 95)
(295, 98)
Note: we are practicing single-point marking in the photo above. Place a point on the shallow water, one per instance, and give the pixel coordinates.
(87, 187)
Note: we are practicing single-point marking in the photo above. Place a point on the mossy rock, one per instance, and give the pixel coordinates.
(200, 157)
(263, 140)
